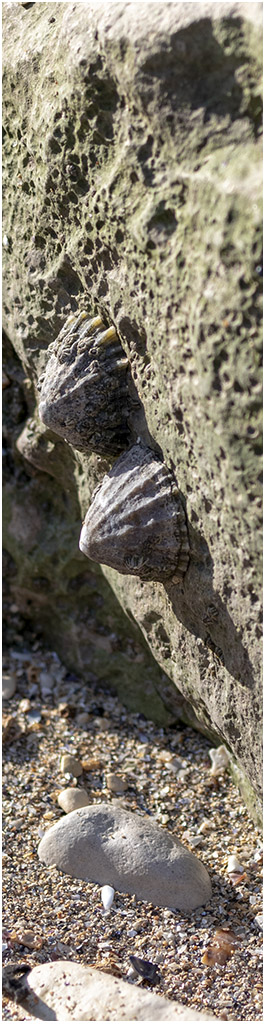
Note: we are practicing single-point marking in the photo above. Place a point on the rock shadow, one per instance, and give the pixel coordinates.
(199, 607)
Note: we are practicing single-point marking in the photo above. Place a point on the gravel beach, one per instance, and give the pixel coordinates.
(209, 960)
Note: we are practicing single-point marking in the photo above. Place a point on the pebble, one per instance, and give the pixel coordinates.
(24, 705)
(195, 840)
(234, 865)
(107, 895)
(82, 719)
(102, 724)
(70, 799)
(141, 858)
(220, 760)
(115, 783)
(68, 991)
(205, 826)
(68, 909)
(26, 937)
(9, 683)
(70, 765)
(34, 716)
(164, 756)
(47, 683)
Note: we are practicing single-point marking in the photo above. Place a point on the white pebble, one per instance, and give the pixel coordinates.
(107, 894)
(234, 865)
(220, 760)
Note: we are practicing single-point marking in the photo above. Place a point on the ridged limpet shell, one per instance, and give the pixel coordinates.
(136, 522)
(83, 392)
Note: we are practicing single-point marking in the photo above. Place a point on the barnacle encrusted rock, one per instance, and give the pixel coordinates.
(102, 842)
(136, 522)
(83, 392)
(128, 170)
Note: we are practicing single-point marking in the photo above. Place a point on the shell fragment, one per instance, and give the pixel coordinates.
(107, 894)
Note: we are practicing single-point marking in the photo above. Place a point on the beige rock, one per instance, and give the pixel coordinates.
(73, 991)
(115, 783)
(70, 765)
(70, 799)
(106, 843)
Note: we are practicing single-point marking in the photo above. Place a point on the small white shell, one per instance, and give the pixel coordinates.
(107, 895)
(234, 867)
(220, 760)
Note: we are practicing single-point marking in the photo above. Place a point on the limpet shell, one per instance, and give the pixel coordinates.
(223, 943)
(83, 392)
(136, 522)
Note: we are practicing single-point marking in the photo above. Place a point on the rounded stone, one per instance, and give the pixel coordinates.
(115, 783)
(103, 841)
(70, 799)
(70, 765)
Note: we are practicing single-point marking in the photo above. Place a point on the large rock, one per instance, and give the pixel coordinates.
(132, 178)
(114, 847)
(73, 991)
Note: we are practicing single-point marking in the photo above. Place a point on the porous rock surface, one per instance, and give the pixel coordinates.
(131, 157)
(114, 847)
(73, 991)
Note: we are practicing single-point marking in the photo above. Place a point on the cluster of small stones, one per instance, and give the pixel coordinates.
(125, 760)
(136, 522)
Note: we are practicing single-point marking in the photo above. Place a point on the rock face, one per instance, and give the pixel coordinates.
(115, 847)
(73, 991)
(131, 156)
